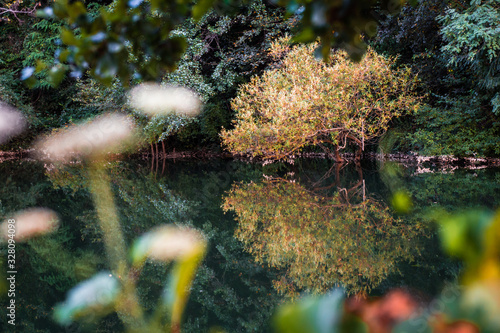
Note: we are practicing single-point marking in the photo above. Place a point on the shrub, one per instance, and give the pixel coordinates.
(308, 102)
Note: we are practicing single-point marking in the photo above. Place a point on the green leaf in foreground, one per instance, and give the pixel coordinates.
(312, 314)
(178, 287)
(463, 234)
(168, 243)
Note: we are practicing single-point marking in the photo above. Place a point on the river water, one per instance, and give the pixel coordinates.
(275, 232)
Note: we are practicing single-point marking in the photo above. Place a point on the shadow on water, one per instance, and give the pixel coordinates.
(305, 227)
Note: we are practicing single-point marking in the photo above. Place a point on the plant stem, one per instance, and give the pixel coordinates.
(128, 309)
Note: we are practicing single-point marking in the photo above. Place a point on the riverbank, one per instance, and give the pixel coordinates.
(413, 159)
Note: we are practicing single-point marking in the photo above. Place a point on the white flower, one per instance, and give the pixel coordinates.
(168, 243)
(11, 122)
(29, 223)
(110, 133)
(153, 99)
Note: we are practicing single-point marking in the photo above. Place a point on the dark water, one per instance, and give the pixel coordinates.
(288, 229)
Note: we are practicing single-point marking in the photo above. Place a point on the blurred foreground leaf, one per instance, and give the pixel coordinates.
(93, 297)
(401, 202)
(466, 235)
(187, 248)
(312, 314)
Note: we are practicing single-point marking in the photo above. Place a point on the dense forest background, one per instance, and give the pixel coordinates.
(453, 46)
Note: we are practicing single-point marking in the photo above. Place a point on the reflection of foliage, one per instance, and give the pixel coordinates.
(58, 267)
(320, 241)
(230, 289)
(456, 189)
(54, 259)
(473, 236)
(70, 177)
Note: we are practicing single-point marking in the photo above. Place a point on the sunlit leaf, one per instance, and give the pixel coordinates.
(463, 234)
(68, 37)
(75, 9)
(306, 36)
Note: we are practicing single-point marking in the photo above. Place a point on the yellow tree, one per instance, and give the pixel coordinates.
(307, 102)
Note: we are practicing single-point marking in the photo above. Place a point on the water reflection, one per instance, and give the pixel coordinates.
(348, 238)
(230, 290)
(341, 210)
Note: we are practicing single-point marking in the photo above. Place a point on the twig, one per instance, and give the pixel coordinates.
(14, 10)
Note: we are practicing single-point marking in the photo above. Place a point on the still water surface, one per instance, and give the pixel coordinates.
(275, 231)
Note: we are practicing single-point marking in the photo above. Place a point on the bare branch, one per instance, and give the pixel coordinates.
(14, 10)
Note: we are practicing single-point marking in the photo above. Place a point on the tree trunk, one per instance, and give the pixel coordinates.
(157, 156)
(338, 158)
(152, 157)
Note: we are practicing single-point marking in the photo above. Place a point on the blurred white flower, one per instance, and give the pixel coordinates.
(11, 122)
(110, 133)
(29, 223)
(153, 99)
(168, 243)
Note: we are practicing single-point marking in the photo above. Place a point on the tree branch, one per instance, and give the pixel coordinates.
(14, 10)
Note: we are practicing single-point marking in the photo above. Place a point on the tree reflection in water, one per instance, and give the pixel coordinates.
(348, 238)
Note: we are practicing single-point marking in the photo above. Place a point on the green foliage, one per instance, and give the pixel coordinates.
(41, 41)
(413, 37)
(224, 51)
(134, 37)
(472, 40)
(456, 126)
(338, 24)
(125, 39)
(92, 98)
(29, 44)
(453, 46)
(307, 102)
